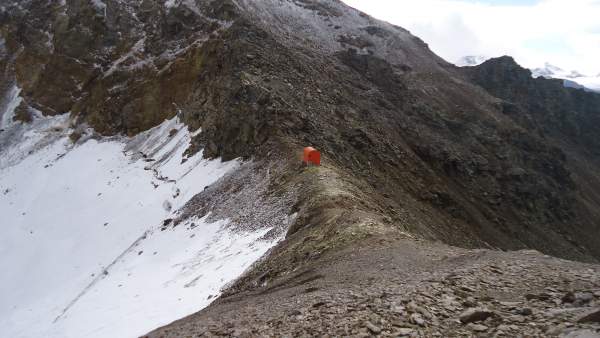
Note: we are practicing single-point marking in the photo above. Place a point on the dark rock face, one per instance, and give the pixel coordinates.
(123, 66)
(475, 315)
(422, 144)
(544, 105)
(566, 118)
(593, 317)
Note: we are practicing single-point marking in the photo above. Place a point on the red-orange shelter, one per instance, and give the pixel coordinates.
(311, 156)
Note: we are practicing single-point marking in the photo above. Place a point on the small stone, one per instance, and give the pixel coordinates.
(478, 327)
(556, 330)
(510, 305)
(516, 318)
(240, 332)
(295, 313)
(373, 328)
(524, 312)
(469, 302)
(584, 297)
(403, 332)
(467, 289)
(569, 297)
(398, 309)
(416, 318)
(503, 328)
(475, 315)
(577, 298)
(412, 307)
(593, 317)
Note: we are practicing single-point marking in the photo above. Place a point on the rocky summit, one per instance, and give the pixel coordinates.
(450, 201)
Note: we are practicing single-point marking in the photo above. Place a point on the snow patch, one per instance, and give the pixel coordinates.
(88, 250)
(14, 100)
(135, 54)
(190, 4)
(100, 6)
(170, 4)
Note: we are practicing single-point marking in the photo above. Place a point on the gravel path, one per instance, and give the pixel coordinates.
(399, 287)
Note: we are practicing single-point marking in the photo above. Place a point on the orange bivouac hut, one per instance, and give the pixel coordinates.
(311, 156)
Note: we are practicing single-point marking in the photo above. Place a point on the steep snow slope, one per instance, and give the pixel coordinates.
(84, 250)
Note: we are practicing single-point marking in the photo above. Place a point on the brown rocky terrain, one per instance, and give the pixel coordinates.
(413, 147)
(394, 287)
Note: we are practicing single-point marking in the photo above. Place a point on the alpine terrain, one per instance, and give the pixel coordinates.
(571, 79)
(152, 184)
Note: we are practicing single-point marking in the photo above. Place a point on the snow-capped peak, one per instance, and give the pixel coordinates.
(549, 71)
(471, 60)
(573, 78)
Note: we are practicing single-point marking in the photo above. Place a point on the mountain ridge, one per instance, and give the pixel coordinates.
(572, 79)
(413, 147)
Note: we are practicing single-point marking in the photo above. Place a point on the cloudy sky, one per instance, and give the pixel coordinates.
(565, 33)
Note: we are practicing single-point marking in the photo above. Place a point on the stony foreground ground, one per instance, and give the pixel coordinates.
(406, 288)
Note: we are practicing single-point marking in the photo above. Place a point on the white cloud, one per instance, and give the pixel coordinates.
(565, 33)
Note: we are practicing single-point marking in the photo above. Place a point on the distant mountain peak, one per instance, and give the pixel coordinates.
(471, 60)
(552, 71)
(573, 78)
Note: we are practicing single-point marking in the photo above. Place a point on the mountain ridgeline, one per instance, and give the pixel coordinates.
(481, 156)
(424, 165)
